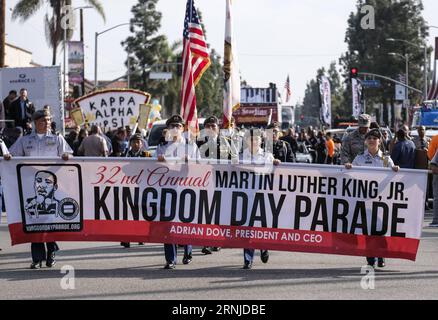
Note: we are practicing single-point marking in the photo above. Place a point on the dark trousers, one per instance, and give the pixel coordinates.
(170, 252)
(248, 255)
(39, 250)
(372, 260)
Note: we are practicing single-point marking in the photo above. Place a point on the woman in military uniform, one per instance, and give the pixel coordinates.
(373, 157)
(253, 153)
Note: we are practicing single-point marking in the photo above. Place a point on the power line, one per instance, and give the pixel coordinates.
(290, 55)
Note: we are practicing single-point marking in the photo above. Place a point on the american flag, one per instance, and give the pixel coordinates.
(195, 62)
(288, 91)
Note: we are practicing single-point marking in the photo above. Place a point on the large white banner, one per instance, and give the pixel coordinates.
(326, 100)
(43, 85)
(114, 108)
(320, 209)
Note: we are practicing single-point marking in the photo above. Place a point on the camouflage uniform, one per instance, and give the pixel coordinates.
(352, 145)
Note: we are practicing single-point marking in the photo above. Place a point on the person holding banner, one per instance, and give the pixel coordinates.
(3, 152)
(135, 151)
(373, 157)
(253, 153)
(213, 146)
(281, 149)
(176, 146)
(434, 167)
(41, 143)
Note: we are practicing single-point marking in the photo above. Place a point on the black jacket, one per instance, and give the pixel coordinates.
(15, 112)
(221, 147)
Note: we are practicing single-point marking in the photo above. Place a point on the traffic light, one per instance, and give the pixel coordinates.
(354, 73)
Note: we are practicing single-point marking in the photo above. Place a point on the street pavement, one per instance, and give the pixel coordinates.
(108, 271)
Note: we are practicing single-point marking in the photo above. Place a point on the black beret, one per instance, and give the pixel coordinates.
(136, 136)
(41, 114)
(374, 133)
(211, 120)
(175, 119)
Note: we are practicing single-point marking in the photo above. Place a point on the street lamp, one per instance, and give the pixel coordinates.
(425, 61)
(406, 57)
(95, 48)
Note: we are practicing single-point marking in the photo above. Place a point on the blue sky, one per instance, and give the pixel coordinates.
(274, 38)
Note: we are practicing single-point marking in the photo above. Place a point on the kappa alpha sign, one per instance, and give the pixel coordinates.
(111, 109)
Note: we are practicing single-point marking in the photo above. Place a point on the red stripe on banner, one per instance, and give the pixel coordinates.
(229, 237)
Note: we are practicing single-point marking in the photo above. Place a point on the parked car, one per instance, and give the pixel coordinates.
(155, 135)
(303, 155)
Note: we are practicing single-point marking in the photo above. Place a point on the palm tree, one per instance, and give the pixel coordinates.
(24, 9)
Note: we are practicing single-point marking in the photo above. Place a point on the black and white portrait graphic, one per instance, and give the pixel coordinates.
(50, 198)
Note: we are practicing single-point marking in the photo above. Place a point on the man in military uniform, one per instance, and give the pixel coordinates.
(176, 147)
(214, 146)
(41, 143)
(135, 151)
(280, 149)
(3, 152)
(354, 143)
(234, 139)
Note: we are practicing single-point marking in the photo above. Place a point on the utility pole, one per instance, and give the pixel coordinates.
(82, 40)
(129, 72)
(2, 32)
